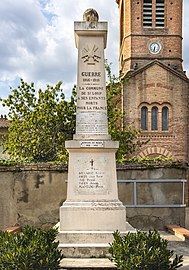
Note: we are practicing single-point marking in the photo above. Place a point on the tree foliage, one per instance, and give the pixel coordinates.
(128, 136)
(42, 120)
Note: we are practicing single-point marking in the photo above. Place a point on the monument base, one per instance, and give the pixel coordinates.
(87, 244)
(92, 210)
(92, 216)
(92, 202)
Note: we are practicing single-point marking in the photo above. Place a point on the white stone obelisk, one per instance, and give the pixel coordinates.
(92, 202)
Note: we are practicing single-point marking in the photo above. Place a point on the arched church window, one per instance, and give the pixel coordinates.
(160, 10)
(147, 13)
(144, 118)
(154, 118)
(165, 118)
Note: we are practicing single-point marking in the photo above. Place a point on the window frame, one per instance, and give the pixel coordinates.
(147, 123)
(154, 118)
(165, 118)
(144, 118)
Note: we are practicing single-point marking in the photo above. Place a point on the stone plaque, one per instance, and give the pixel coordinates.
(91, 176)
(94, 123)
(92, 144)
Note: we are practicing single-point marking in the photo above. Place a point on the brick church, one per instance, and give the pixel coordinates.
(156, 91)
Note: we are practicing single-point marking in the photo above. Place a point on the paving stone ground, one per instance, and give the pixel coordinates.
(179, 246)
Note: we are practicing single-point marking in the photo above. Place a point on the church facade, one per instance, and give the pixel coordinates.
(155, 95)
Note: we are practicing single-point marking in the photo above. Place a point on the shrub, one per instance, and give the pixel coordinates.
(33, 249)
(142, 251)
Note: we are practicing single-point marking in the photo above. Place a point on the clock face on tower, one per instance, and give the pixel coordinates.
(155, 47)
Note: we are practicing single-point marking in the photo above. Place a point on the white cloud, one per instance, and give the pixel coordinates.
(37, 39)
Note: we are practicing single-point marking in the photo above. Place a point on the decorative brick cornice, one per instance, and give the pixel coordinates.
(181, 75)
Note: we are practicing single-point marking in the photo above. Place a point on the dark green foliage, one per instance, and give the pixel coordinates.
(142, 251)
(155, 162)
(33, 249)
(4, 162)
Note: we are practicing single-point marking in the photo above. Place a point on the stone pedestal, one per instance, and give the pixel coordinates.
(92, 199)
(92, 210)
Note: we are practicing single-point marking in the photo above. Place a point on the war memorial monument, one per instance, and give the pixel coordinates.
(92, 210)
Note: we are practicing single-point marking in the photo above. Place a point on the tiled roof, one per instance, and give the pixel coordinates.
(4, 122)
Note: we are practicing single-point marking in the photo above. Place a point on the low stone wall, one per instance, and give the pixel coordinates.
(33, 194)
(154, 193)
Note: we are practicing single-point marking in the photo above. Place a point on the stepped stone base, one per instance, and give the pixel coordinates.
(87, 244)
(88, 264)
(95, 216)
(89, 250)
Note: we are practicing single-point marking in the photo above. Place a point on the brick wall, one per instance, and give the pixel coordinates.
(156, 85)
(134, 44)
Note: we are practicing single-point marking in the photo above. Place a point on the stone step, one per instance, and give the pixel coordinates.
(178, 231)
(87, 250)
(83, 237)
(88, 264)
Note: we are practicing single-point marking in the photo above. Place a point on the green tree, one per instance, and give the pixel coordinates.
(128, 136)
(41, 121)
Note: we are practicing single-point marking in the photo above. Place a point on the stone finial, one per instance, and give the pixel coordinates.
(90, 15)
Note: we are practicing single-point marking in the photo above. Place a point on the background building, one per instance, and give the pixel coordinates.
(156, 91)
(3, 130)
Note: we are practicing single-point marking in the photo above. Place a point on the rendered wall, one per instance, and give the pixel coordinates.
(153, 194)
(33, 194)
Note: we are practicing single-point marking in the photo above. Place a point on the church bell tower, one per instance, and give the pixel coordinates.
(150, 29)
(156, 92)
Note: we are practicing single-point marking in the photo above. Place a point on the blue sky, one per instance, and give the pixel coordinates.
(37, 40)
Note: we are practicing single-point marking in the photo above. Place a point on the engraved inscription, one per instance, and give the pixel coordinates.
(87, 125)
(91, 98)
(91, 175)
(91, 179)
(91, 116)
(92, 144)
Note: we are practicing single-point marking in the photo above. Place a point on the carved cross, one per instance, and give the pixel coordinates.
(92, 162)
